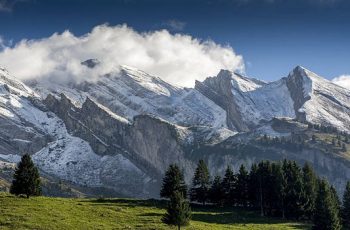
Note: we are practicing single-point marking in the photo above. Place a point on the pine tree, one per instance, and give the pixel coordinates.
(345, 211)
(310, 190)
(264, 183)
(335, 198)
(326, 215)
(216, 193)
(200, 183)
(278, 185)
(173, 181)
(26, 179)
(229, 186)
(254, 186)
(178, 211)
(242, 186)
(294, 205)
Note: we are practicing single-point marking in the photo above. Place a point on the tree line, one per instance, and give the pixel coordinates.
(276, 189)
(279, 189)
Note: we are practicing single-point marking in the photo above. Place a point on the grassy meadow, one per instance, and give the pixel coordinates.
(83, 213)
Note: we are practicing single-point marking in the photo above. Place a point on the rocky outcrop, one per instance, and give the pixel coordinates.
(300, 88)
(148, 142)
(219, 90)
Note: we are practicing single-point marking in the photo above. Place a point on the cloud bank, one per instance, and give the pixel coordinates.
(343, 80)
(177, 58)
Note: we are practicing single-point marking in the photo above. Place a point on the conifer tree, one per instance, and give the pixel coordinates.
(294, 205)
(254, 186)
(310, 190)
(26, 179)
(178, 211)
(216, 193)
(326, 215)
(229, 186)
(345, 211)
(173, 181)
(242, 186)
(264, 183)
(278, 185)
(335, 198)
(200, 183)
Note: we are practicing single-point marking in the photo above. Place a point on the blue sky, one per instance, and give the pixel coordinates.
(273, 36)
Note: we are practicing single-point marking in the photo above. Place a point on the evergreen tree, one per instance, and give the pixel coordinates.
(254, 186)
(310, 190)
(278, 189)
(216, 193)
(346, 207)
(294, 205)
(229, 186)
(26, 179)
(242, 186)
(173, 181)
(326, 215)
(264, 183)
(335, 198)
(178, 211)
(200, 183)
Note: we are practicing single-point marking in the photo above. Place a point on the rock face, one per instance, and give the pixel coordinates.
(302, 95)
(121, 132)
(151, 144)
(318, 100)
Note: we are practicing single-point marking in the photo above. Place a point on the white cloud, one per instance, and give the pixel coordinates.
(343, 80)
(177, 58)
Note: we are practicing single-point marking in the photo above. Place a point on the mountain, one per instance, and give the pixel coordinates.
(302, 95)
(118, 133)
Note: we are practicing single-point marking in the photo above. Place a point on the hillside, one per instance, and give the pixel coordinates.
(118, 134)
(63, 213)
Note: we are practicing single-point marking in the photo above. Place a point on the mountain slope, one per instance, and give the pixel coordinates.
(302, 95)
(131, 92)
(122, 131)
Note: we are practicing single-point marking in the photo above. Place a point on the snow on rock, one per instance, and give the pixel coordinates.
(131, 92)
(325, 102)
(263, 101)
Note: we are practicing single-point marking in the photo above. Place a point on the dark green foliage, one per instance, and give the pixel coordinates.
(173, 181)
(200, 183)
(216, 193)
(345, 211)
(229, 186)
(254, 196)
(326, 216)
(294, 205)
(26, 179)
(310, 190)
(277, 190)
(178, 211)
(335, 197)
(242, 187)
(264, 185)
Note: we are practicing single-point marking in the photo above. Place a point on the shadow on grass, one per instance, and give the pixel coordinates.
(242, 218)
(208, 214)
(130, 202)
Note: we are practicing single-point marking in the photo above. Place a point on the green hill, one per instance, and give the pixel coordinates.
(68, 213)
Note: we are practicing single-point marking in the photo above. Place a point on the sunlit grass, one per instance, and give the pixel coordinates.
(63, 213)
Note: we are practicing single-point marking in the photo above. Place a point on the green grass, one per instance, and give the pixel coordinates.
(63, 213)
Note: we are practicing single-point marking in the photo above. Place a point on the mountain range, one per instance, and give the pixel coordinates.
(119, 133)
